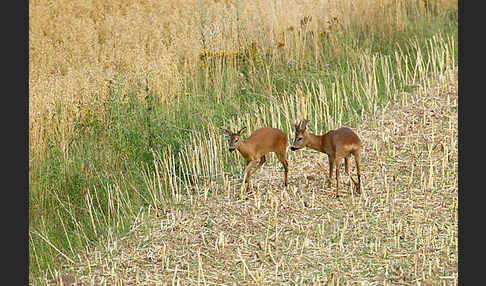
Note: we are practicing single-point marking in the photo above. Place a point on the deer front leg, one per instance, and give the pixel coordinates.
(246, 177)
(285, 164)
(262, 161)
(338, 162)
(331, 168)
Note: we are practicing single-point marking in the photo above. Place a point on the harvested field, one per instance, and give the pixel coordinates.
(401, 231)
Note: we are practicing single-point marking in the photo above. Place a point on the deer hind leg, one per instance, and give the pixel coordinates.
(285, 164)
(331, 169)
(338, 162)
(357, 160)
(346, 168)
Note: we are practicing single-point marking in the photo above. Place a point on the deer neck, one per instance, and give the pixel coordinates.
(320, 143)
(314, 142)
(244, 149)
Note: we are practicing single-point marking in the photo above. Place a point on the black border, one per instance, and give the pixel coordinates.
(466, 172)
(16, 212)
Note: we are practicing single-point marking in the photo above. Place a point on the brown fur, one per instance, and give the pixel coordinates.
(337, 144)
(255, 147)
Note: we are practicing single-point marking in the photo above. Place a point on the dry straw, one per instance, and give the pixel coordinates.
(76, 48)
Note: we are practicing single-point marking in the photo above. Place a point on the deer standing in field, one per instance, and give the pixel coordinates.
(255, 147)
(337, 144)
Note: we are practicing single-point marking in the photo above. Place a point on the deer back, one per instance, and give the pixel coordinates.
(267, 139)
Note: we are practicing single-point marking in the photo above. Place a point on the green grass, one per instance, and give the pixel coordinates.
(98, 184)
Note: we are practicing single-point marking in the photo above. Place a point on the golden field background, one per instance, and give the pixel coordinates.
(77, 47)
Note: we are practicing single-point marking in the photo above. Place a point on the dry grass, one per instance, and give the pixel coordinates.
(77, 47)
(401, 231)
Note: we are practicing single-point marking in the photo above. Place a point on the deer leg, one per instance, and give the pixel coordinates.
(357, 160)
(247, 171)
(262, 161)
(346, 169)
(331, 169)
(338, 162)
(285, 164)
(246, 178)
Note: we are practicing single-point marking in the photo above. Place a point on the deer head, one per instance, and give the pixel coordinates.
(234, 138)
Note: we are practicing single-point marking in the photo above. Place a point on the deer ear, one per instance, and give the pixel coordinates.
(296, 126)
(226, 132)
(241, 130)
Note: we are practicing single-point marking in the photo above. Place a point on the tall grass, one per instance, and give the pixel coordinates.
(125, 112)
(77, 48)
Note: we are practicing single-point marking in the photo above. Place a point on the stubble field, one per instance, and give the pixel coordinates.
(401, 231)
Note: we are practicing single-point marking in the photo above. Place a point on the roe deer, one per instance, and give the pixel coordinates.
(337, 144)
(254, 148)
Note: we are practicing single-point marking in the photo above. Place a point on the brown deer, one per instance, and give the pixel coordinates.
(337, 144)
(254, 148)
